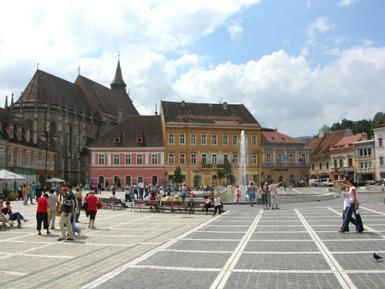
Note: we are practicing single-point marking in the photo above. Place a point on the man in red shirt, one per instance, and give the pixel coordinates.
(42, 213)
(92, 208)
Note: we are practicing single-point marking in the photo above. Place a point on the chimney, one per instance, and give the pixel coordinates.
(225, 106)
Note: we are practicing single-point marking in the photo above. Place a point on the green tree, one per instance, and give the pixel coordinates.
(178, 176)
(220, 175)
(227, 170)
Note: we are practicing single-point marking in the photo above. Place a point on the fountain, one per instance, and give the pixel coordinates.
(243, 181)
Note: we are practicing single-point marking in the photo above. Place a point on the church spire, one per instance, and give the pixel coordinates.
(118, 82)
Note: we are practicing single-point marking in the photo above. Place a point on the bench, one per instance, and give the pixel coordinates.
(154, 206)
(112, 203)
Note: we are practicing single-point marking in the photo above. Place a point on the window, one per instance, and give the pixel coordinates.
(369, 151)
(362, 165)
(204, 158)
(235, 140)
(327, 165)
(320, 166)
(213, 139)
(303, 158)
(181, 139)
(380, 144)
(154, 158)
(128, 159)
(291, 158)
(214, 159)
(182, 159)
(193, 158)
(312, 167)
(128, 181)
(381, 161)
(116, 159)
(193, 139)
(139, 159)
(101, 159)
(335, 164)
(360, 152)
(279, 158)
(268, 157)
(254, 159)
(204, 139)
(171, 138)
(225, 141)
(254, 140)
(235, 158)
(341, 163)
(350, 162)
(171, 159)
(225, 158)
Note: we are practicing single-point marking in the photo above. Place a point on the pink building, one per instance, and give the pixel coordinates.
(130, 152)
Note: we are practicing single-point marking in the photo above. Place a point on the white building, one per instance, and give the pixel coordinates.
(379, 138)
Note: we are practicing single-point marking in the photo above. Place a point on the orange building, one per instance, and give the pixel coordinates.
(199, 137)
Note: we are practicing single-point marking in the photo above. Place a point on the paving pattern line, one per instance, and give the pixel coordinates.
(13, 273)
(281, 253)
(373, 211)
(190, 269)
(36, 255)
(274, 241)
(338, 271)
(366, 227)
(282, 271)
(212, 240)
(225, 273)
(197, 251)
(104, 278)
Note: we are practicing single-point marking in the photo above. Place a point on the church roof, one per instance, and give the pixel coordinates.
(134, 131)
(84, 95)
(118, 79)
(207, 114)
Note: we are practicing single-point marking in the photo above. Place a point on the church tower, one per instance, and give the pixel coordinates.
(118, 82)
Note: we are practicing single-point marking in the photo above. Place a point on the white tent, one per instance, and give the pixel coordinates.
(9, 176)
(55, 180)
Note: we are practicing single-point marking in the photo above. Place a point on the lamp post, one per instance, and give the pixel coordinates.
(45, 137)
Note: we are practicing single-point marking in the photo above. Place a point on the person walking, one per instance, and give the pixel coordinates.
(251, 191)
(217, 206)
(67, 209)
(52, 204)
(352, 208)
(268, 195)
(92, 208)
(263, 196)
(274, 195)
(183, 192)
(79, 203)
(42, 213)
(237, 195)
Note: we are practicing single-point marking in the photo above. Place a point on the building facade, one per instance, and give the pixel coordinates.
(379, 138)
(342, 157)
(129, 153)
(365, 160)
(285, 158)
(70, 116)
(201, 137)
(20, 154)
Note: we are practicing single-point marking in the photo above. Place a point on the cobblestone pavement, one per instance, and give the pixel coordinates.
(295, 247)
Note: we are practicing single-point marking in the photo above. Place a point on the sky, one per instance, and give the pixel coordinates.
(296, 64)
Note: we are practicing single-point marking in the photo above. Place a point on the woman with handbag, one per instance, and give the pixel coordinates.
(352, 208)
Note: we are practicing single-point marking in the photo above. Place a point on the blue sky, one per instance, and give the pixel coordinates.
(297, 65)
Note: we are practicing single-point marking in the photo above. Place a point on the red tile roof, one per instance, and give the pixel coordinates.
(320, 146)
(275, 137)
(347, 141)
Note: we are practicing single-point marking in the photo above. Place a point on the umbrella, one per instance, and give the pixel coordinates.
(55, 180)
(9, 176)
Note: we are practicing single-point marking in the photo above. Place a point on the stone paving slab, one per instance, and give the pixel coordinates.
(350, 236)
(360, 261)
(187, 259)
(161, 279)
(368, 281)
(282, 262)
(280, 236)
(205, 245)
(356, 245)
(281, 246)
(213, 235)
(282, 280)
(279, 228)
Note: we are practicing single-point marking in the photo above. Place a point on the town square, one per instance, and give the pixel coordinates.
(192, 144)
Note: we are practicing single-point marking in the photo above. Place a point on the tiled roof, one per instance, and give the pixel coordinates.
(320, 146)
(275, 137)
(134, 131)
(84, 95)
(46, 88)
(347, 141)
(207, 113)
(103, 99)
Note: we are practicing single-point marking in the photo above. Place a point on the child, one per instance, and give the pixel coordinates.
(217, 206)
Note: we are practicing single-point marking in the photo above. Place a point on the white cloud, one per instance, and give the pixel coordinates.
(284, 91)
(308, 3)
(345, 2)
(319, 25)
(235, 29)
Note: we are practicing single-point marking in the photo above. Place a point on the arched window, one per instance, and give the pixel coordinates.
(117, 182)
(140, 179)
(101, 181)
(154, 180)
(128, 181)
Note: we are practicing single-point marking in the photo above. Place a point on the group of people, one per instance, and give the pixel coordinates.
(8, 216)
(153, 192)
(268, 192)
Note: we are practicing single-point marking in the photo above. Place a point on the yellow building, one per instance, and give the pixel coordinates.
(200, 136)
